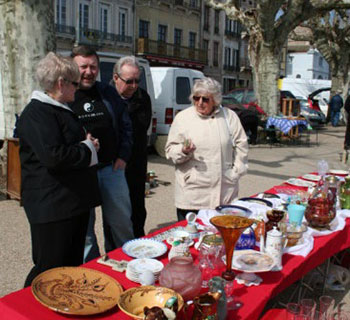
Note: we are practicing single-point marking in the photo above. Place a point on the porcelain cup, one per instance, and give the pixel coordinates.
(296, 213)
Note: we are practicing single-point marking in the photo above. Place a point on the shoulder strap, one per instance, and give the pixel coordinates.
(227, 126)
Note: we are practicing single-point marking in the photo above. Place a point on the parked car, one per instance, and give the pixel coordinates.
(313, 101)
(312, 115)
(246, 97)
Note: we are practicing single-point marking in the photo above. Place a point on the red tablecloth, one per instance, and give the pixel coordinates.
(275, 314)
(22, 305)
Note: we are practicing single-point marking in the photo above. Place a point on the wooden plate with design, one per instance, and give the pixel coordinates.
(76, 290)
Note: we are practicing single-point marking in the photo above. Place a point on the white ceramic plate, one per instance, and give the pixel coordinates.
(312, 177)
(140, 265)
(339, 172)
(252, 261)
(144, 248)
(300, 182)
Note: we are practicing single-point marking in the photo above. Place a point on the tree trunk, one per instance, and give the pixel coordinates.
(27, 33)
(266, 73)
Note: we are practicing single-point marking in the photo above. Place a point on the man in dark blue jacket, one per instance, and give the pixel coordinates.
(105, 115)
(335, 105)
(126, 77)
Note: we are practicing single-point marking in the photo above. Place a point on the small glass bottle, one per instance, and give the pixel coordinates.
(344, 194)
(332, 183)
(211, 251)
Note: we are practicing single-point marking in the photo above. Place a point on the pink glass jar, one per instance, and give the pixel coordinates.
(181, 275)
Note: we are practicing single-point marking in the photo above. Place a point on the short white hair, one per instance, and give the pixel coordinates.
(205, 86)
(54, 66)
(129, 60)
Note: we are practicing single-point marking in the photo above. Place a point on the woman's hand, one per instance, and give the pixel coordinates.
(188, 146)
(94, 141)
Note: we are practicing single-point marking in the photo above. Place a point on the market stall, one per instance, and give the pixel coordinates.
(23, 305)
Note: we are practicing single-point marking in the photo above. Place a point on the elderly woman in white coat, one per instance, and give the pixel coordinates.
(209, 147)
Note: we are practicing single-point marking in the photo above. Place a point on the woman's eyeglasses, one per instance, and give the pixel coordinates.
(129, 81)
(204, 99)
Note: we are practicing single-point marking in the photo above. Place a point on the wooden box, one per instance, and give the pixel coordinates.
(13, 169)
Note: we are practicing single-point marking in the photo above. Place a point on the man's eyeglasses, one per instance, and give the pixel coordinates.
(204, 99)
(129, 81)
(74, 83)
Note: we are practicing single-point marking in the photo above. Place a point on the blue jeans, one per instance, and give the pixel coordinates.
(116, 213)
(335, 115)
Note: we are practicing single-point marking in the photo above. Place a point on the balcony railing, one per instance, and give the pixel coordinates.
(93, 36)
(147, 46)
(228, 67)
(97, 36)
(233, 34)
(245, 63)
(62, 28)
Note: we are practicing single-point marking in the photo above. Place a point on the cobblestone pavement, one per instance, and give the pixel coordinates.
(268, 166)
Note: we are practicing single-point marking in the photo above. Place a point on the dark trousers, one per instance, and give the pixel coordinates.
(57, 244)
(181, 213)
(251, 125)
(347, 135)
(136, 183)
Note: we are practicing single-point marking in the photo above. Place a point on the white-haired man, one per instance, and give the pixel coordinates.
(126, 77)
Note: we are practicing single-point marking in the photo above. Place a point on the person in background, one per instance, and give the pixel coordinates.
(59, 182)
(250, 120)
(209, 147)
(126, 77)
(103, 113)
(335, 106)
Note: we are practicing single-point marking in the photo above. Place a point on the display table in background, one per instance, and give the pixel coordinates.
(285, 124)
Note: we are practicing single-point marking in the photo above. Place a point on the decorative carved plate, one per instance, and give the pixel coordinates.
(76, 290)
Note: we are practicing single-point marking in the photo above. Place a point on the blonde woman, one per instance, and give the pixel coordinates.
(59, 184)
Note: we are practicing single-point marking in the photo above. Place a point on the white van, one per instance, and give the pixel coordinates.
(172, 88)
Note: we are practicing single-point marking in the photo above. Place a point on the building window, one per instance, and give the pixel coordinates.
(216, 21)
(123, 13)
(320, 61)
(83, 15)
(61, 12)
(192, 40)
(216, 54)
(104, 12)
(233, 27)
(235, 58)
(206, 17)
(162, 30)
(227, 57)
(193, 3)
(177, 36)
(143, 29)
(206, 48)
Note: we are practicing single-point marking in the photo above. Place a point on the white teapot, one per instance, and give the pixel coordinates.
(274, 247)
